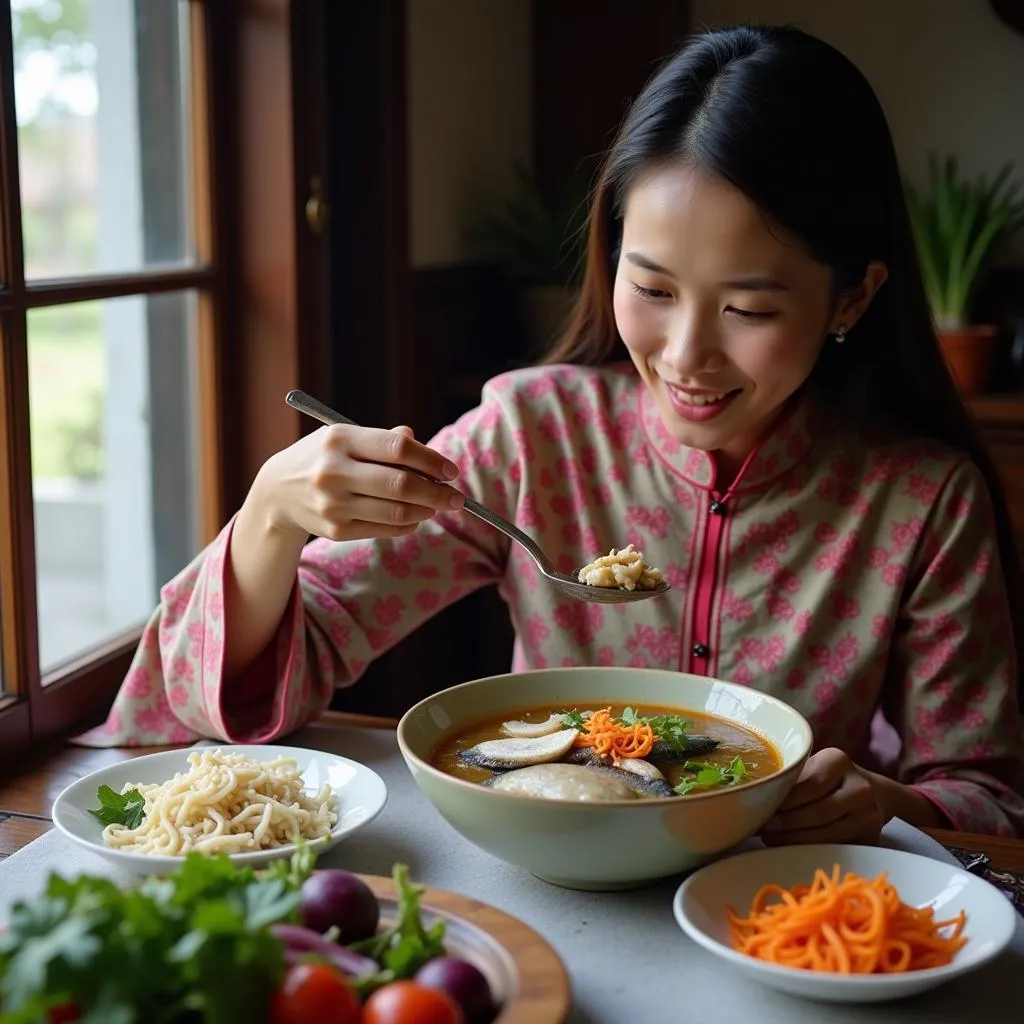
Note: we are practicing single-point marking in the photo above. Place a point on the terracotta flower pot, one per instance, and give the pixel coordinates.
(969, 354)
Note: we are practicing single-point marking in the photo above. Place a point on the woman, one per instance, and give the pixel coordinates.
(752, 393)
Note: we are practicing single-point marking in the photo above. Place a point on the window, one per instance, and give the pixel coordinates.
(110, 298)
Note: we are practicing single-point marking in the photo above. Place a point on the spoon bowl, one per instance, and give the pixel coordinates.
(569, 584)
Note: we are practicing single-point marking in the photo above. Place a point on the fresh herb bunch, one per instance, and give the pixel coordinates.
(195, 945)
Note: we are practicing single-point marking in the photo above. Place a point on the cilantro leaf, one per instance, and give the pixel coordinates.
(668, 729)
(406, 946)
(126, 808)
(707, 775)
(574, 720)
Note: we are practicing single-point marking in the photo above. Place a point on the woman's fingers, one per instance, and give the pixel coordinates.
(394, 484)
(391, 447)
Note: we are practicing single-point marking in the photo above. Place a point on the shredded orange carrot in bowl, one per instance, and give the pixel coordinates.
(612, 739)
(850, 925)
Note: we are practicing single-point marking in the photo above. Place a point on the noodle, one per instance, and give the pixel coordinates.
(226, 803)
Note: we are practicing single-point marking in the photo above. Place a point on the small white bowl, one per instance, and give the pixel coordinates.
(701, 901)
(360, 792)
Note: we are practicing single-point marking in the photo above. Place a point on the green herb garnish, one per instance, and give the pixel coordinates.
(406, 946)
(574, 720)
(668, 729)
(126, 808)
(195, 945)
(708, 775)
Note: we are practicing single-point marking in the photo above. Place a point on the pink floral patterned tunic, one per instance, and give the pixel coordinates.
(840, 578)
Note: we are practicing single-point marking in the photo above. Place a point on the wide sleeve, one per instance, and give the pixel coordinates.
(952, 691)
(352, 601)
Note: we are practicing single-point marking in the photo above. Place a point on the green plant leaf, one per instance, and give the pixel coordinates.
(958, 224)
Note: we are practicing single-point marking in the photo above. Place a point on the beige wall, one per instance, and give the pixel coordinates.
(949, 74)
(469, 118)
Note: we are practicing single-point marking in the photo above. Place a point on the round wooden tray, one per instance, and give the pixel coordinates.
(526, 975)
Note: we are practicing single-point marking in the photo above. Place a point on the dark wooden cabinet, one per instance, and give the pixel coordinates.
(1002, 421)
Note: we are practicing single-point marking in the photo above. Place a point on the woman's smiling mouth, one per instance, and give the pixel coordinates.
(699, 406)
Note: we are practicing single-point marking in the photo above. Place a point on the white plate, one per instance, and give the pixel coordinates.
(700, 909)
(360, 792)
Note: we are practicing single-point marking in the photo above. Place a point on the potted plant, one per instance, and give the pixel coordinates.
(540, 244)
(958, 226)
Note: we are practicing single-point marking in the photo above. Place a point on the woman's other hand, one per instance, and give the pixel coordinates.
(837, 801)
(833, 801)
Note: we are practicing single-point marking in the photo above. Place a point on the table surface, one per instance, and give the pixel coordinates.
(614, 945)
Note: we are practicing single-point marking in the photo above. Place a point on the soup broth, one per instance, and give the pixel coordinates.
(687, 752)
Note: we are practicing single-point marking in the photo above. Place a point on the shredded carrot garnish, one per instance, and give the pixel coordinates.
(850, 925)
(612, 739)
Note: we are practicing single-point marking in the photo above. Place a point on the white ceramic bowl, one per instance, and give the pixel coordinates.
(619, 844)
(360, 792)
(701, 902)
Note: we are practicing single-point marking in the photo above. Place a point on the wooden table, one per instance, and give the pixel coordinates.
(25, 800)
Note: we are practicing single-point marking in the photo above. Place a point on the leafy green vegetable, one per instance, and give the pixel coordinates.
(406, 946)
(959, 225)
(574, 720)
(669, 729)
(194, 946)
(708, 774)
(126, 808)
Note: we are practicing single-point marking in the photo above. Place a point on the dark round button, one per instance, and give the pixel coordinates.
(717, 507)
(701, 650)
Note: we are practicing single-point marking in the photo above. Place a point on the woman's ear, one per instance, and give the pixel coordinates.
(854, 302)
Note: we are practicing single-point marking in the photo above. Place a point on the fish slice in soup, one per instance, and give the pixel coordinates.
(650, 752)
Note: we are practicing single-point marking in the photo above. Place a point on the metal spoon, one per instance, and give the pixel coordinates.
(570, 584)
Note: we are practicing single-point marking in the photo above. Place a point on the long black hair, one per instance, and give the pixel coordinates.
(795, 126)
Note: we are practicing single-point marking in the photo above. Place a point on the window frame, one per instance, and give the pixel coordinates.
(37, 708)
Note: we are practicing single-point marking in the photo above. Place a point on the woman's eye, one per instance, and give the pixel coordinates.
(749, 314)
(649, 293)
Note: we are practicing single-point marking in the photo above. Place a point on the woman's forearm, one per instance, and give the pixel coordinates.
(901, 801)
(259, 577)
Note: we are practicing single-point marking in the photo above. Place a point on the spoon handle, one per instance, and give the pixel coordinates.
(325, 414)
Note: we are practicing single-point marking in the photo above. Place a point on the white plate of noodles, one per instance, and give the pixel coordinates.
(246, 801)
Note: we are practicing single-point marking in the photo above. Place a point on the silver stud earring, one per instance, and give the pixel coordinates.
(840, 335)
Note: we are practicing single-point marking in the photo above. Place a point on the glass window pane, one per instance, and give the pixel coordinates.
(101, 94)
(115, 471)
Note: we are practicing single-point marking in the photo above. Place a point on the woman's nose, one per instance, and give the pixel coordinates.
(693, 346)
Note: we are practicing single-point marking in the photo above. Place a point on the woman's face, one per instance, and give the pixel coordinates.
(723, 317)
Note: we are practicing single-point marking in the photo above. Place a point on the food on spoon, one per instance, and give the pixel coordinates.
(623, 569)
(603, 753)
(223, 803)
(845, 924)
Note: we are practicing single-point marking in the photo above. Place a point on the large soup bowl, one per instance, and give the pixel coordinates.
(618, 844)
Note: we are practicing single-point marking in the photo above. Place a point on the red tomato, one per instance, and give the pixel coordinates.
(405, 1002)
(314, 993)
(65, 1014)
